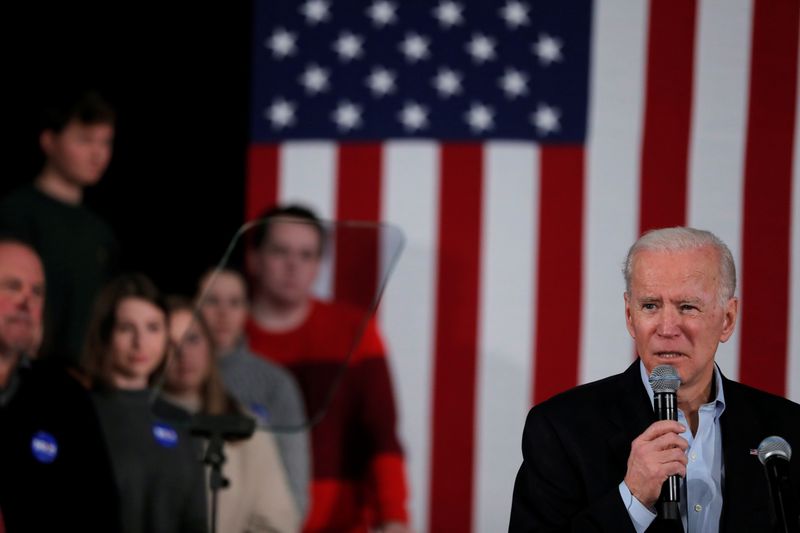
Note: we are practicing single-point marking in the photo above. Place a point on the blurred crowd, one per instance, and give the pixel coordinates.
(115, 395)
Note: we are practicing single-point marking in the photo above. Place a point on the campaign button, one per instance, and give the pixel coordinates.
(44, 447)
(165, 435)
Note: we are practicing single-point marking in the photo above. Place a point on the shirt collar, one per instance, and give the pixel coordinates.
(718, 402)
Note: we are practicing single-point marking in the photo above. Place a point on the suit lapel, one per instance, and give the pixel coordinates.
(741, 432)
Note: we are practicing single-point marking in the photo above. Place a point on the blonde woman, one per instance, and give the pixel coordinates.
(258, 497)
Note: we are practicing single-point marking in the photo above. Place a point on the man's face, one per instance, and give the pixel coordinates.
(287, 263)
(674, 314)
(80, 152)
(21, 299)
(224, 306)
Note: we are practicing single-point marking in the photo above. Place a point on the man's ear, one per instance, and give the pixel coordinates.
(47, 140)
(729, 322)
(628, 317)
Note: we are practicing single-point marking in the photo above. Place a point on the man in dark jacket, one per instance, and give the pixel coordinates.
(54, 468)
(595, 458)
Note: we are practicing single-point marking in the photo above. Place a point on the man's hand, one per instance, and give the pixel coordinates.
(656, 454)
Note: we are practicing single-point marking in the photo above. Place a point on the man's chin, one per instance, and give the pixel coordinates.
(23, 347)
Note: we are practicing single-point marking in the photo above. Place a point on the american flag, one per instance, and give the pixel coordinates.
(522, 146)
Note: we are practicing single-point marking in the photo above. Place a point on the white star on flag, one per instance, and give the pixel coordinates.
(480, 118)
(414, 116)
(481, 48)
(347, 116)
(280, 114)
(547, 49)
(282, 43)
(415, 47)
(348, 46)
(315, 11)
(449, 14)
(447, 82)
(381, 81)
(314, 79)
(515, 14)
(514, 83)
(382, 13)
(546, 119)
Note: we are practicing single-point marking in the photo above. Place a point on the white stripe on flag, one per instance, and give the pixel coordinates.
(612, 182)
(719, 127)
(308, 177)
(506, 320)
(411, 201)
(793, 366)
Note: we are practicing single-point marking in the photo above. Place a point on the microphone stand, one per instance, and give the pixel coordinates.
(217, 429)
(785, 515)
(214, 457)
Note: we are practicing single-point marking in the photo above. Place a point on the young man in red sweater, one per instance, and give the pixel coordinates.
(358, 480)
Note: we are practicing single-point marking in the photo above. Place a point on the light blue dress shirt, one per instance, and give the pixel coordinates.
(701, 491)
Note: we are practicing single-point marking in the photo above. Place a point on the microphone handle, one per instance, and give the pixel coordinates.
(666, 408)
(786, 516)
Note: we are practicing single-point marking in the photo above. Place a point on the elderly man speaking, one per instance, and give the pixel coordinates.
(595, 457)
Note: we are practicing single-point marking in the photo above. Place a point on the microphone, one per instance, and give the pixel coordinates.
(775, 453)
(665, 382)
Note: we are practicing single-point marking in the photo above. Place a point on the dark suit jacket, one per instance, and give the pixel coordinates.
(74, 492)
(575, 449)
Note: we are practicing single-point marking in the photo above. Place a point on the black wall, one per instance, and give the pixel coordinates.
(179, 78)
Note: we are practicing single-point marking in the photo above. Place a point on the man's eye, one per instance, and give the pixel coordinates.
(648, 307)
(10, 284)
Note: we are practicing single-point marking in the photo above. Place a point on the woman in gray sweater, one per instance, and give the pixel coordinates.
(156, 464)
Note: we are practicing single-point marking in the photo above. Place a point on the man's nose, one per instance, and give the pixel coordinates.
(668, 323)
(293, 261)
(25, 299)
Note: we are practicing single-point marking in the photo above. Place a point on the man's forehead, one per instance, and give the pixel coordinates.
(20, 260)
(653, 269)
(79, 126)
(294, 231)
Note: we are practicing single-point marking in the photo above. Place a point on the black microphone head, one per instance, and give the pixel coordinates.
(664, 378)
(774, 447)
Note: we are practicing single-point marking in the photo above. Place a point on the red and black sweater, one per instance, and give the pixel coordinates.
(358, 472)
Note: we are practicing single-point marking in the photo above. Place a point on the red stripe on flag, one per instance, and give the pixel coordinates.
(262, 179)
(667, 117)
(454, 377)
(559, 279)
(358, 198)
(767, 195)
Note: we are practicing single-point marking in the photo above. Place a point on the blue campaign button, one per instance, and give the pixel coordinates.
(44, 447)
(261, 412)
(165, 435)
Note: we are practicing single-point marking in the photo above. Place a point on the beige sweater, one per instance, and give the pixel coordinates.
(258, 498)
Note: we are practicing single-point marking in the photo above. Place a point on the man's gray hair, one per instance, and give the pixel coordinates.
(682, 238)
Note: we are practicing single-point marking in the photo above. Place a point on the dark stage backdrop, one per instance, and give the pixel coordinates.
(179, 78)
